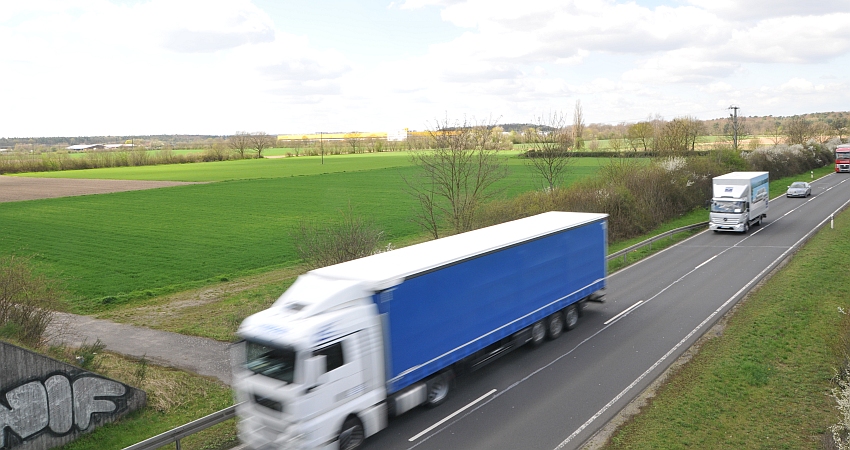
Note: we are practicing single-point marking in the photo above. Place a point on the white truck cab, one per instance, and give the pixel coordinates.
(739, 201)
(319, 355)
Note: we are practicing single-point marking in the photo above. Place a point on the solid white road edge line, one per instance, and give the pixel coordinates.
(451, 415)
(693, 332)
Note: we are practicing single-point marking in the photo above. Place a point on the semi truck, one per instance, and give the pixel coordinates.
(351, 345)
(842, 158)
(739, 201)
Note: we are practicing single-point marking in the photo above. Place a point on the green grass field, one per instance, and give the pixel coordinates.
(114, 247)
(240, 169)
(288, 167)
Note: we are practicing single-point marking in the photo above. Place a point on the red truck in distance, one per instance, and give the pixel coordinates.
(842, 158)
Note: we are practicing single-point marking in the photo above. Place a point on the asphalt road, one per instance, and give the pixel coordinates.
(558, 396)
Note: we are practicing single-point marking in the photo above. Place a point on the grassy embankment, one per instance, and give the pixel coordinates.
(765, 383)
(174, 398)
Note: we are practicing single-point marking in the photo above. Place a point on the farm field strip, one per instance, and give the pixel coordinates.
(273, 168)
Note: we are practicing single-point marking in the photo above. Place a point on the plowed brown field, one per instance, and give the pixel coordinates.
(14, 189)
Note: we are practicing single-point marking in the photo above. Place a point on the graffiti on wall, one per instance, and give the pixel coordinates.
(58, 405)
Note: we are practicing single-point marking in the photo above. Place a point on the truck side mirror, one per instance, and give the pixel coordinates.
(314, 371)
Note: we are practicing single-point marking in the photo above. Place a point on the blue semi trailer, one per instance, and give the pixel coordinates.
(349, 345)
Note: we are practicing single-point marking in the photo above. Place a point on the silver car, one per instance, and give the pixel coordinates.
(799, 189)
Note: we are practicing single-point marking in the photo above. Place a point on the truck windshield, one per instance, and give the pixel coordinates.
(727, 207)
(842, 155)
(278, 363)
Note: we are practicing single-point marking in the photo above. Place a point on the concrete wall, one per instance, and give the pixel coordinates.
(45, 403)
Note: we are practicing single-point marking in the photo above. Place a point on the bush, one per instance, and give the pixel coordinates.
(350, 238)
(27, 301)
(785, 160)
(637, 197)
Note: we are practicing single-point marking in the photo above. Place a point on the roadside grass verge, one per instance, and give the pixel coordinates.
(174, 398)
(765, 382)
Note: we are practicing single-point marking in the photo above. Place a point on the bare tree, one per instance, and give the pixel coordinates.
(354, 142)
(240, 143)
(456, 177)
(616, 142)
(549, 149)
(776, 133)
(822, 131)
(679, 135)
(798, 130)
(342, 240)
(640, 136)
(578, 126)
(838, 126)
(260, 141)
(28, 301)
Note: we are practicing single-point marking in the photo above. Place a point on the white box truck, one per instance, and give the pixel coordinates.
(350, 345)
(739, 201)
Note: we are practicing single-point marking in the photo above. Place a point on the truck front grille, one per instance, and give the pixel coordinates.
(720, 221)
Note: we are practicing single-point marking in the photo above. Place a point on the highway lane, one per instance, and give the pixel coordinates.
(559, 395)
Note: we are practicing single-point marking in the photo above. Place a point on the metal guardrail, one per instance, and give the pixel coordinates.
(174, 436)
(625, 252)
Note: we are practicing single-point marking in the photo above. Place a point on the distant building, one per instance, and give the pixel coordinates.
(398, 135)
(81, 147)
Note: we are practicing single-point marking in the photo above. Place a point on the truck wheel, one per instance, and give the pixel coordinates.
(555, 325)
(352, 435)
(571, 315)
(746, 225)
(438, 389)
(538, 334)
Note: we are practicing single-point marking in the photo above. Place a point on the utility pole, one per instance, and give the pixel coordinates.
(734, 117)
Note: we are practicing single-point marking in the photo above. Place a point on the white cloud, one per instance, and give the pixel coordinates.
(153, 63)
(205, 66)
(800, 85)
(760, 9)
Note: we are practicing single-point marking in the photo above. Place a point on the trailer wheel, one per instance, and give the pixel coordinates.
(538, 334)
(352, 435)
(571, 315)
(555, 325)
(438, 389)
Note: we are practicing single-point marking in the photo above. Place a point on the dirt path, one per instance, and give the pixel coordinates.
(203, 356)
(14, 189)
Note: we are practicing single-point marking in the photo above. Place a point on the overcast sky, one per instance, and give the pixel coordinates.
(122, 67)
